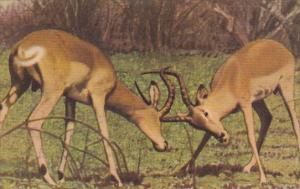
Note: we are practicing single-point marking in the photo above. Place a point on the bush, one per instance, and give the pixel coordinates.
(157, 25)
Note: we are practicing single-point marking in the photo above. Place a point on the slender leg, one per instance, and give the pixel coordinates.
(70, 106)
(99, 105)
(265, 120)
(20, 82)
(48, 100)
(248, 115)
(11, 98)
(190, 164)
(287, 93)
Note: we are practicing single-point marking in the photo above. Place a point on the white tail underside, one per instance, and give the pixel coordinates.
(29, 56)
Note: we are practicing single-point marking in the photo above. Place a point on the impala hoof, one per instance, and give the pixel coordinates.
(46, 177)
(60, 175)
(120, 184)
(263, 180)
(247, 169)
(43, 170)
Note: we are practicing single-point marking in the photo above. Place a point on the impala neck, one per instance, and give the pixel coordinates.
(221, 102)
(125, 102)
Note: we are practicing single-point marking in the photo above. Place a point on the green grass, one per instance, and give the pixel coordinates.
(279, 154)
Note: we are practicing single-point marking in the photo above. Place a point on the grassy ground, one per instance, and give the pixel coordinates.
(219, 166)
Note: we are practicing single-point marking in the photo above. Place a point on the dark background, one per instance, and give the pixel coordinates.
(167, 26)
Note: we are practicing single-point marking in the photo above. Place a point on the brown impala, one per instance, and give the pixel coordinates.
(63, 65)
(253, 73)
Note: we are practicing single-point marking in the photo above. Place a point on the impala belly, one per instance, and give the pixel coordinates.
(262, 87)
(79, 94)
(77, 80)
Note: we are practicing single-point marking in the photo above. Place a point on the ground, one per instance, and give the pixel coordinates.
(218, 166)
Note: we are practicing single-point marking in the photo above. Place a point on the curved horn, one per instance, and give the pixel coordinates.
(141, 94)
(174, 119)
(183, 89)
(171, 94)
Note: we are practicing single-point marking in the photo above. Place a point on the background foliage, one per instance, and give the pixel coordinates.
(187, 26)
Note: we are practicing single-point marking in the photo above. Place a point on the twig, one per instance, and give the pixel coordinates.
(122, 155)
(27, 157)
(279, 105)
(193, 164)
(85, 149)
(139, 162)
(112, 144)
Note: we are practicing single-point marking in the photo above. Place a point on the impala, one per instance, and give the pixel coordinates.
(63, 65)
(253, 73)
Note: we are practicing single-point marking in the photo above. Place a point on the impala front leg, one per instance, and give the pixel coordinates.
(248, 116)
(265, 119)
(70, 108)
(99, 105)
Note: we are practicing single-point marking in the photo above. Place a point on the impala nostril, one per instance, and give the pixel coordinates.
(160, 148)
(168, 148)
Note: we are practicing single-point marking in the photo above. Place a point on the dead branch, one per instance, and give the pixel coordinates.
(113, 144)
(233, 25)
(285, 21)
(230, 18)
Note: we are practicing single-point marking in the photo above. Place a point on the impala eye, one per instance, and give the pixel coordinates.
(205, 114)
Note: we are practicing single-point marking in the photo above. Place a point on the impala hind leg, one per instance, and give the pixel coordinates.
(15, 92)
(98, 99)
(48, 100)
(248, 115)
(70, 107)
(265, 120)
(287, 92)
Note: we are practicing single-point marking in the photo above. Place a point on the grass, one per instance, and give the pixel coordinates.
(217, 167)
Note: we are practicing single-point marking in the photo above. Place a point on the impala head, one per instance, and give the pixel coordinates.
(202, 117)
(199, 115)
(152, 127)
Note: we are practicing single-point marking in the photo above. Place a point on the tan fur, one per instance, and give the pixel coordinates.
(253, 73)
(258, 59)
(64, 65)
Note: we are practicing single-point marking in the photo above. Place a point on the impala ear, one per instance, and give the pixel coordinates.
(202, 94)
(154, 93)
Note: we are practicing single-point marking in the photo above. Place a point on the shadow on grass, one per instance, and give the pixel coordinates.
(295, 174)
(127, 178)
(227, 169)
(95, 179)
(216, 170)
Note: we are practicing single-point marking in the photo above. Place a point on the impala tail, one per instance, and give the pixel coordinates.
(26, 57)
